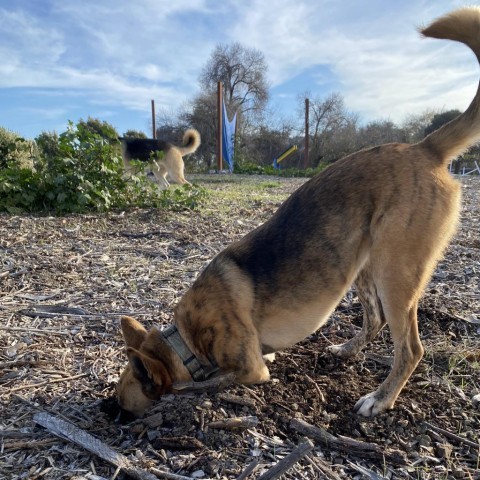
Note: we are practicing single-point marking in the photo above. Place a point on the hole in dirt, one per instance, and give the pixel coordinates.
(111, 408)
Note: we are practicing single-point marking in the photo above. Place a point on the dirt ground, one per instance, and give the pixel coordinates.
(64, 282)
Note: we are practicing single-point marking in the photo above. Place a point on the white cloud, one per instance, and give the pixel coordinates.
(24, 34)
(116, 53)
(383, 67)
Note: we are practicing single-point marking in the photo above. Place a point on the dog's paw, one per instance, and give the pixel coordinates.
(269, 357)
(340, 351)
(370, 405)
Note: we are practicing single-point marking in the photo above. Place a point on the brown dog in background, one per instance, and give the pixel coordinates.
(381, 218)
(171, 163)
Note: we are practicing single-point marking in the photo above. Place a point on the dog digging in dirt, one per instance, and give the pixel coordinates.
(171, 163)
(381, 218)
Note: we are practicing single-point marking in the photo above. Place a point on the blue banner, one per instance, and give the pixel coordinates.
(228, 137)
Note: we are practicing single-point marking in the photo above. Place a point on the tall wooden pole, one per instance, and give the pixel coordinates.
(154, 128)
(219, 126)
(307, 135)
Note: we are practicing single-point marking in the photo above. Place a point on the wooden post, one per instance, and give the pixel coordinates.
(307, 135)
(219, 126)
(154, 128)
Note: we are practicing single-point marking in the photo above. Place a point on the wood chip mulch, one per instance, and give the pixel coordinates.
(64, 282)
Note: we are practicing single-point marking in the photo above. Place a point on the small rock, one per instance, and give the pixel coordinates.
(169, 398)
(424, 441)
(198, 474)
(443, 450)
(138, 428)
(11, 351)
(476, 400)
(152, 435)
(154, 421)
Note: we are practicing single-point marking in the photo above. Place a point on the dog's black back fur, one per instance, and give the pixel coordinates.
(141, 148)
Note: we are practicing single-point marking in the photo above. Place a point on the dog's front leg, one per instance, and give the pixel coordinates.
(250, 366)
(242, 355)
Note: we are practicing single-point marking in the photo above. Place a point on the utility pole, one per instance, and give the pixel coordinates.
(219, 126)
(307, 135)
(154, 128)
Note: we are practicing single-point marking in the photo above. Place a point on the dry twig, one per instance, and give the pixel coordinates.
(286, 463)
(68, 431)
(346, 444)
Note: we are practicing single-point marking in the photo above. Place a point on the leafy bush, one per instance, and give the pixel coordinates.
(98, 127)
(134, 134)
(82, 170)
(15, 149)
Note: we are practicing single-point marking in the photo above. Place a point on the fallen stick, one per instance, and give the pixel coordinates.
(6, 273)
(233, 423)
(170, 476)
(30, 444)
(47, 382)
(50, 311)
(43, 331)
(347, 444)
(289, 461)
(452, 436)
(323, 468)
(366, 472)
(216, 383)
(249, 470)
(246, 402)
(68, 431)
(143, 234)
(19, 363)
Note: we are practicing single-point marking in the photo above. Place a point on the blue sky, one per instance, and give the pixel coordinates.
(64, 60)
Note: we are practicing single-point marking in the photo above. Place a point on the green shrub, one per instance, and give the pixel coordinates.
(82, 170)
(134, 134)
(15, 150)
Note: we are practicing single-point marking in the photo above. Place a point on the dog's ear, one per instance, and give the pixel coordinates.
(150, 372)
(133, 332)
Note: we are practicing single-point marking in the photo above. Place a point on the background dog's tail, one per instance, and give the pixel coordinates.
(455, 137)
(191, 141)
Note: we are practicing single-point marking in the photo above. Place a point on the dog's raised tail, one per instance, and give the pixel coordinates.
(191, 141)
(452, 139)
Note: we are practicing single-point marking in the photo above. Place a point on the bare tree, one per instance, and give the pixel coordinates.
(202, 115)
(379, 132)
(328, 118)
(414, 125)
(266, 143)
(242, 71)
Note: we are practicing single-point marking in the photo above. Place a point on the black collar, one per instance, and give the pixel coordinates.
(197, 370)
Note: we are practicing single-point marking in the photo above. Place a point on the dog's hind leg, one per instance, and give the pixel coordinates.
(176, 168)
(408, 353)
(373, 316)
(399, 286)
(178, 176)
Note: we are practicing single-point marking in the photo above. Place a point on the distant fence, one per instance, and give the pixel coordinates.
(465, 167)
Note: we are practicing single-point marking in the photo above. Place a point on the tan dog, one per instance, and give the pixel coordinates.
(380, 217)
(170, 164)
